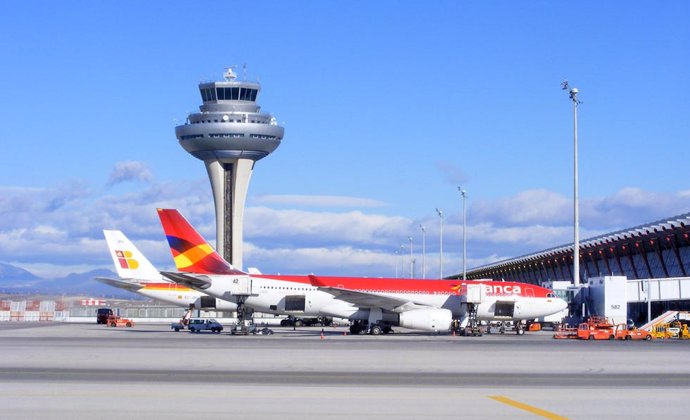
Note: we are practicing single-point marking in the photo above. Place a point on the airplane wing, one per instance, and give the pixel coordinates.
(120, 284)
(368, 299)
(195, 281)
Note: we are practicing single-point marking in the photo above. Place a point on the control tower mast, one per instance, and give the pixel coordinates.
(230, 133)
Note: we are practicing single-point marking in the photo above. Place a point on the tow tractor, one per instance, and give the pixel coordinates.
(117, 321)
(622, 332)
(596, 328)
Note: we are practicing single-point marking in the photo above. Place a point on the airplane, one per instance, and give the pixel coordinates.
(373, 305)
(138, 275)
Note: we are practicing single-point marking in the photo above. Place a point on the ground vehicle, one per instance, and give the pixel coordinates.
(183, 322)
(596, 328)
(319, 321)
(623, 332)
(197, 324)
(673, 329)
(177, 326)
(102, 315)
(117, 321)
(261, 331)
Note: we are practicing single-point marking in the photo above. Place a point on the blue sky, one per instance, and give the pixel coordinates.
(388, 106)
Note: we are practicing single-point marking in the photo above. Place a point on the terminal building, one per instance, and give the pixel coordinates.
(655, 259)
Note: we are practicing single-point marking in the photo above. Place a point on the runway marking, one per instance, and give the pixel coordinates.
(533, 410)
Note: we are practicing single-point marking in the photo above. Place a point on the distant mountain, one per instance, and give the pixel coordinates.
(12, 277)
(10, 272)
(84, 284)
(16, 280)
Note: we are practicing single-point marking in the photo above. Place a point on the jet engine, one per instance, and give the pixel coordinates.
(427, 319)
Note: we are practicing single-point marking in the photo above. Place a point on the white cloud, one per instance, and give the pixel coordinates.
(340, 260)
(45, 229)
(129, 171)
(625, 208)
(298, 226)
(526, 208)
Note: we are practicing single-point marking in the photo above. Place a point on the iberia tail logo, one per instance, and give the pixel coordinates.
(126, 261)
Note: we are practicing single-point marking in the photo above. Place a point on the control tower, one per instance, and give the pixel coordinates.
(230, 133)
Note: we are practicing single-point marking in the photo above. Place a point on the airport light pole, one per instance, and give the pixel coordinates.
(402, 260)
(463, 193)
(396, 263)
(576, 211)
(423, 251)
(411, 262)
(440, 215)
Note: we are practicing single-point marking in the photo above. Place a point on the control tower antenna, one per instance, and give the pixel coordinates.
(229, 75)
(230, 133)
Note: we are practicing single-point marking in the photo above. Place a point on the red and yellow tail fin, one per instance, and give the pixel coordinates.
(190, 250)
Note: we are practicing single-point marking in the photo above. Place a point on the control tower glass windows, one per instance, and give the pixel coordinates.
(208, 94)
(232, 94)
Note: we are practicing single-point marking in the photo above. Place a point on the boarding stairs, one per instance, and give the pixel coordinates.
(666, 317)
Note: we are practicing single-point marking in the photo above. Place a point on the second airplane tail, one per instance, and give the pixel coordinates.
(130, 263)
(190, 250)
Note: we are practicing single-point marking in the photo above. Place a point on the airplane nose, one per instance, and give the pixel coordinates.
(562, 304)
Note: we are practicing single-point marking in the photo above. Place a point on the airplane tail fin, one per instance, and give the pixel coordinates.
(190, 250)
(129, 262)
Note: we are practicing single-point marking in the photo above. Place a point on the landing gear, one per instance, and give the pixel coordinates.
(519, 328)
(357, 328)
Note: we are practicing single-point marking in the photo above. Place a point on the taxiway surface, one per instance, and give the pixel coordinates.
(149, 371)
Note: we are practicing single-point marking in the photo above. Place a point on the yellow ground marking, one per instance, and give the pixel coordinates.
(533, 410)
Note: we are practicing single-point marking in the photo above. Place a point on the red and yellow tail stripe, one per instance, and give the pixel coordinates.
(190, 250)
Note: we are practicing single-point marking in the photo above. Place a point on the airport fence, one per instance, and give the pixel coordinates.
(84, 310)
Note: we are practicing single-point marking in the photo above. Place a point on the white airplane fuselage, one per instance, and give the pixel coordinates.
(181, 296)
(285, 295)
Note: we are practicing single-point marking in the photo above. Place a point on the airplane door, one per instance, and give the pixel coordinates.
(529, 292)
(294, 303)
(504, 309)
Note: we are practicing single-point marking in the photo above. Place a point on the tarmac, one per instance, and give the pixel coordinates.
(59, 371)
